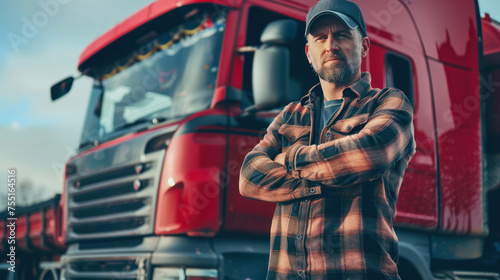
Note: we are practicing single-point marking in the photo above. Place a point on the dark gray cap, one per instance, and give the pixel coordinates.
(345, 10)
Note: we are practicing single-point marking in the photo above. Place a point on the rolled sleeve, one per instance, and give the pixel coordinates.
(263, 179)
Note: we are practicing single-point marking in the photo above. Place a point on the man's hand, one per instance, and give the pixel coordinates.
(280, 159)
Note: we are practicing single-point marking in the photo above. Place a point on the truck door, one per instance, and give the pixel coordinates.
(243, 215)
(397, 59)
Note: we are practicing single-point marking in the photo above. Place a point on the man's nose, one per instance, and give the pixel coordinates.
(331, 43)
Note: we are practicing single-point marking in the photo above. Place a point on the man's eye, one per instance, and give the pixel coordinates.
(323, 37)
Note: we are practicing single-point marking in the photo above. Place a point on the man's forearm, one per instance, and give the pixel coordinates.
(386, 139)
(263, 179)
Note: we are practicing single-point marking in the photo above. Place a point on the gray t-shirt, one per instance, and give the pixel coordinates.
(328, 109)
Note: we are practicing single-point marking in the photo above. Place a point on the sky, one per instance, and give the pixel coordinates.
(40, 42)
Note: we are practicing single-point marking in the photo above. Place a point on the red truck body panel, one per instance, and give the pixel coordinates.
(459, 156)
(191, 180)
(51, 221)
(451, 56)
(242, 215)
(454, 71)
(36, 229)
(450, 43)
(22, 232)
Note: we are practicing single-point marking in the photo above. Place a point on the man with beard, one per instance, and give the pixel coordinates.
(334, 161)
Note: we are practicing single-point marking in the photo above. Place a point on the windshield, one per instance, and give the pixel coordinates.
(168, 78)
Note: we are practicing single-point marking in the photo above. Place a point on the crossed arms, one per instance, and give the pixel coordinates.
(386, 138)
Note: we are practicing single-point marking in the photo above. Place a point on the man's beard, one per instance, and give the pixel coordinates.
(340, 73)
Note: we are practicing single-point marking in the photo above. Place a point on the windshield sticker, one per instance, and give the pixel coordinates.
(167, 79)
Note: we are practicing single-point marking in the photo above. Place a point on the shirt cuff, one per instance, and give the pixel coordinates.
(307, 189)
(290, 159)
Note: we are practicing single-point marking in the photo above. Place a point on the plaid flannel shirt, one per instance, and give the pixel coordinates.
(336, 200)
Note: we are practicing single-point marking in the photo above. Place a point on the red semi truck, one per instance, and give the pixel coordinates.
(184, 89)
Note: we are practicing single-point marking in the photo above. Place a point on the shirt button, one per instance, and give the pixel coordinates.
(299, 236)
(306, 200)
(301, 273)
(328, 134)
(313, 190)
(290, 167)
(293, 138)
(348, 127)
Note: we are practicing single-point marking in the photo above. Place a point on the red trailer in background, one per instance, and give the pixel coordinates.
(37, 239)
(184, 89)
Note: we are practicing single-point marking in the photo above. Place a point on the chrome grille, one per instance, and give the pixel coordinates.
(112, 208)
(124, 188)
(115, 174)
(114, 225)
(112, 192)
(122, 265)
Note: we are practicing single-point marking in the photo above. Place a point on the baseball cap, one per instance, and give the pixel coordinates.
(345, 10)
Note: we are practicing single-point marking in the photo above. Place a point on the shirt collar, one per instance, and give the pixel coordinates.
(360, 89)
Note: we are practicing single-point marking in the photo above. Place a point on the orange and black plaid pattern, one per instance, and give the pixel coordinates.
(336, 200)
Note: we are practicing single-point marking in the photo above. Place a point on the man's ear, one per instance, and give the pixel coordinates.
(307, 54)
(365, 46)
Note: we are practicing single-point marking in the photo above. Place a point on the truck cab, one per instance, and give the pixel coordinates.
(184, 89)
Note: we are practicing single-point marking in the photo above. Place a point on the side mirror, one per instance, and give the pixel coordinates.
(62, 88)
(271, 66)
